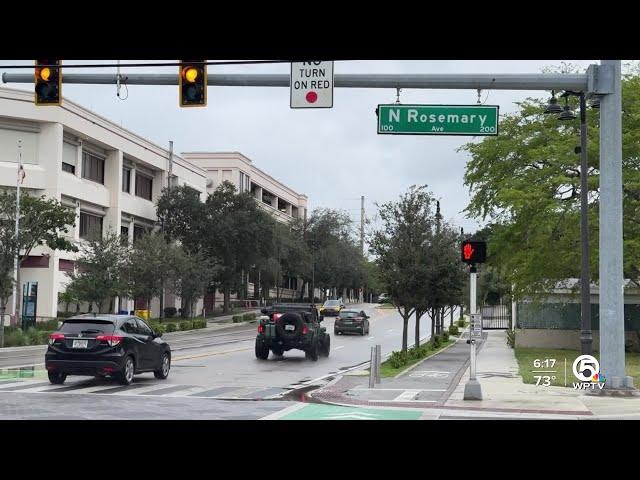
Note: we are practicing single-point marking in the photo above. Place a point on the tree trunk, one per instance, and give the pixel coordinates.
(3, 307)
(227, 297)
(432, 316)
(461, 310)
(405, 327)
(417, 340)
(451, 316)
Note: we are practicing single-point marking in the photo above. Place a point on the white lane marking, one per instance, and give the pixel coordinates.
(338, 348)
(286, 411)
(406, 395)
(371, 338)
(390, 330)
(13, 384)
(403, 401)
(400, 389)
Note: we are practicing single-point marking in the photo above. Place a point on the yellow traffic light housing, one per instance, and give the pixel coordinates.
(193, 83)
(48, 82)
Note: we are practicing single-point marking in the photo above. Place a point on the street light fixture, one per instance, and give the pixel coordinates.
(553, 106)
(586, 336)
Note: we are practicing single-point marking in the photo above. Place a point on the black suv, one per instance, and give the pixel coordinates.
(106, 345)
(292, 325)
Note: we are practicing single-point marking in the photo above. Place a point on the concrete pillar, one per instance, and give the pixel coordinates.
(113, 182)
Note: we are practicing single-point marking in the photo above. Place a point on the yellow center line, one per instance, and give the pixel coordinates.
(176, 359)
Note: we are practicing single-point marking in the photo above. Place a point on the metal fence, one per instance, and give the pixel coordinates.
(496, 317)
(566, 316)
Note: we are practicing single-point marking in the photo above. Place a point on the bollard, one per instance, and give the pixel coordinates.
(372, 369)
(378, 362)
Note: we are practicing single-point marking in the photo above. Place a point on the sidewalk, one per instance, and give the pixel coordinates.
(436, 387)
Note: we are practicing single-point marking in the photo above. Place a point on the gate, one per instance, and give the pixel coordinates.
(496, 317)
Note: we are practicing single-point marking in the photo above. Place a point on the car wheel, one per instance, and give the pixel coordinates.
(312, 352)
(129, 369)
(163, 372)
(326, 346)
(277, 352)
(262, 351)
(57, 378)
(362, 331)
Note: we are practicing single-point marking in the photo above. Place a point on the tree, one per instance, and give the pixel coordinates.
(151, 261)
(526, 183)
(190, 278)
(400, 253)
(182, 215)
(100, 273)
(43, 221)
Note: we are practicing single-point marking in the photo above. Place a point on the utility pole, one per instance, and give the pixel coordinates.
(169, 190)
(362, 224)
(17, 253)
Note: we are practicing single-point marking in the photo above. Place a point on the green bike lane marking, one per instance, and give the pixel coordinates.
(334, 412)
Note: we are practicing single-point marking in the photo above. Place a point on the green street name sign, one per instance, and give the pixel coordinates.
(472, 120)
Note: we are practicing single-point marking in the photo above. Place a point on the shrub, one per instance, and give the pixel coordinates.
(187, 325)
(237, 318)
(247, 317)
(171, 327)
(435, 341)
(15, 338)
(445, 336)
(453, 330)
(199, 324)
(511, 338)
(170, 312)
(48, 324)
(415, 353)
(461, 323)
(158, 327)
(398, 359)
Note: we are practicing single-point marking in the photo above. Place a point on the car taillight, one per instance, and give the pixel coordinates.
(277, 316)
(55, 336)
(338, 318)
(260, 328)
(305, 330)
(358, 319)
(112, 340)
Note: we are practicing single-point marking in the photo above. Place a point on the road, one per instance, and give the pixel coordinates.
(213, 367)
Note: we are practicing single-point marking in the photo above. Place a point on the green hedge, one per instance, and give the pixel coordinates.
(445, 336)
(237, 318)
(19, 338)
(247, 317)
(171, 327)
(453, 330)
(199, 324)
(186, 325)
(461, 323)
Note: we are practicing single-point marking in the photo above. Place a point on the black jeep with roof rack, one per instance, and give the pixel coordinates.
(285, 326)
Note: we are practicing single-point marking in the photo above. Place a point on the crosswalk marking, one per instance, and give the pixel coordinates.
(146, 389)
(406, 395)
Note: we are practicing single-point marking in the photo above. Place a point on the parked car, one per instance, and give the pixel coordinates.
(351, 321)
(384, 298)
(117, 346)
(331, 307)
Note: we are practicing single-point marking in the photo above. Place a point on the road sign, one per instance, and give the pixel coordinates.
(311, 85)
(475, 328)
(473, 120)
(473, 252)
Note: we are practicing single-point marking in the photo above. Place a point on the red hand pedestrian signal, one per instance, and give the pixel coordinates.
(473, 252)
(467, 251)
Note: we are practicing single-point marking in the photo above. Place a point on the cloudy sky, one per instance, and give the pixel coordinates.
(332, 155)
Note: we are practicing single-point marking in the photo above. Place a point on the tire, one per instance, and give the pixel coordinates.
(278, 352)
(290, 318)
(57, 378)
(128, 371)
(313, 351)
(362, 331)
(262, 351)
(336, 332)
(326, 346)
(165, 366)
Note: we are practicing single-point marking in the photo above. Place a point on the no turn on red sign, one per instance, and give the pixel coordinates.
(312, 85)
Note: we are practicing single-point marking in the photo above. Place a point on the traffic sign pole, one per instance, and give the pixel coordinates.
(472, 389)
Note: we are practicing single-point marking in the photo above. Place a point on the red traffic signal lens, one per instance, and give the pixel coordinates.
(474, 252)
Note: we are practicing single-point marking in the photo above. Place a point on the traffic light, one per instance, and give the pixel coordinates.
(193, 83)
(48, 82)
(474, 252)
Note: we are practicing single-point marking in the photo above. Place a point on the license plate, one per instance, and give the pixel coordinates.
(289, 327)
(80, 343)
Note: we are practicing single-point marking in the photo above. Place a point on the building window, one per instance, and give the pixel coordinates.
(144, 186)
(138, 232)
(126, 180)
(92, 167)
(90, 225)
(66, 167)
(124, 235)
(245, 182)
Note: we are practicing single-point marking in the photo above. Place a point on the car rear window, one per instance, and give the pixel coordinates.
(331, 303)
(88, 326)
(348, 314)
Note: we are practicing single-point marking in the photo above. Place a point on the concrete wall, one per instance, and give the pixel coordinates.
(562, 339)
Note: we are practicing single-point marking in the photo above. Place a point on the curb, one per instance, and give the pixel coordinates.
(407, 370)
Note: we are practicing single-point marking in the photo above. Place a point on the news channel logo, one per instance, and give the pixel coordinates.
(586, 368)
